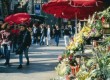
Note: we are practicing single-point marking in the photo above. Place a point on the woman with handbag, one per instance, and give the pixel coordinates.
(6, 42)
(24, 41)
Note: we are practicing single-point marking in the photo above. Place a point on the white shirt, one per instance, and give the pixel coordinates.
(48, 31)
(34, 29)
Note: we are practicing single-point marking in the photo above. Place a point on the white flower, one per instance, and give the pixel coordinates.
(71, 51)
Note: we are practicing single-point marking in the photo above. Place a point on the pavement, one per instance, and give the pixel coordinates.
(43, 60)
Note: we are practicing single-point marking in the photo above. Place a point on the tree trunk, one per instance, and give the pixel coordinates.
(5, 7)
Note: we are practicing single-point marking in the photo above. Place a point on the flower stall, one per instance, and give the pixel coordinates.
(73, 65)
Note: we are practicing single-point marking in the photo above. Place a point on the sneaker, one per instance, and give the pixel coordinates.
(20, 67)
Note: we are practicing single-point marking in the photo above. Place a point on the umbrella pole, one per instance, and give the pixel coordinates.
(76, 24)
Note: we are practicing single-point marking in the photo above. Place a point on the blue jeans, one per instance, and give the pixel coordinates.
(14, 47)
(7, 54)
(57, 39)
(41, 40)
(25, 50)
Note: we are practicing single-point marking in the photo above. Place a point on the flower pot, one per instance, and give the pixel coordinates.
(95, 43)
(74, 69)
(67, 77)
(108, 48)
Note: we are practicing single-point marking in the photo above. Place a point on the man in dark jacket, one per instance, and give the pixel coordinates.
(24, 41)
(67, 34)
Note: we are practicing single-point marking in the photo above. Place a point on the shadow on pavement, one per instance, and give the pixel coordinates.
(32, 68)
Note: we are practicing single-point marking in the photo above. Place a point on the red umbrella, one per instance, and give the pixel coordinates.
(71, 8)
(9, 19)
(18, 18)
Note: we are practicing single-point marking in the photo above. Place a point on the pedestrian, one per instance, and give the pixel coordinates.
(6, 42)
(45, 34)
(34, 33)
(37, 35)
(67, 34)
(1, 52)
(57, 35)
(15, 33)
(42, 35)
(24, 41)
(48, 38)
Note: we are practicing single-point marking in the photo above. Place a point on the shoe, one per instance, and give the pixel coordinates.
(20, 67)
(27, 63)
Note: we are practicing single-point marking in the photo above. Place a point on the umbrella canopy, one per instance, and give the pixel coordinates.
(9, 19)
(18, 18)
(71, 9)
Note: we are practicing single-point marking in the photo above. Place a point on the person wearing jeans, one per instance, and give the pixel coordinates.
(25, 50)
(57, 40)
(24, 41)
(6, 42)
(57, 35)
(7, 54)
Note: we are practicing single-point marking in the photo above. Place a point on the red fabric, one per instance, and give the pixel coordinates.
(9, 19)
(18, 18)
(69, 10)
(16, 32)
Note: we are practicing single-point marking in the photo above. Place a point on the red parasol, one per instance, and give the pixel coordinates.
(71, 8)
(18, 18)
(9, 19)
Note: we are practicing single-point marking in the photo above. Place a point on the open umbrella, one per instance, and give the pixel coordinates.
(18, 18)
(9, 19)
(71, 8)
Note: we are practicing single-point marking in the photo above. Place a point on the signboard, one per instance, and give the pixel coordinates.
(37, 9)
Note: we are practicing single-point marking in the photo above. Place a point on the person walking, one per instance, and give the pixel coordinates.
(34, 34)
(42, 35)
(1, 52)
(45, 34)
(48, 38)
(15, 32)
(24, 41)
(6, 42)
(67, 34)
(57, 35)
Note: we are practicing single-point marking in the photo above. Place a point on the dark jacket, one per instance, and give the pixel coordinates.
(24, 38)
(57, 32)
(45, 31)
(67, 32)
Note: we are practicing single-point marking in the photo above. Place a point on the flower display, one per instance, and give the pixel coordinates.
(98, 66)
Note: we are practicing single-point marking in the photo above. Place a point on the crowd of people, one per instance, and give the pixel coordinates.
(18, 38)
